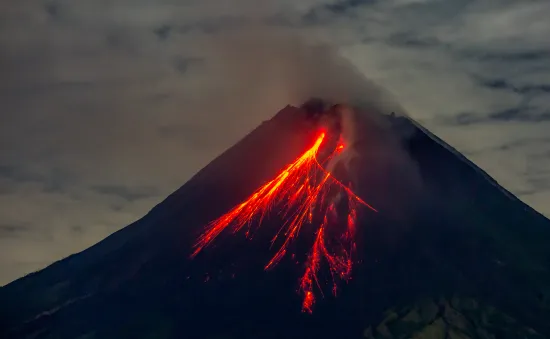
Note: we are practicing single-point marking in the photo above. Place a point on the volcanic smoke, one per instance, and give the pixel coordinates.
(305, 191)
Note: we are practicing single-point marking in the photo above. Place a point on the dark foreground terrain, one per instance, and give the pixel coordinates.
(453, 255)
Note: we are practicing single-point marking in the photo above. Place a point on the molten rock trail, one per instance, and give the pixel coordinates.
(304, 192)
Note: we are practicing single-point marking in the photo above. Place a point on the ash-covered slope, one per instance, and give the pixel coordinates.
(450, 254)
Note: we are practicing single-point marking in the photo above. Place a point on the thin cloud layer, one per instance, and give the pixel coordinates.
(107, 106)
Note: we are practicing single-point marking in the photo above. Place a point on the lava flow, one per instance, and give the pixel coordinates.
(305, 193)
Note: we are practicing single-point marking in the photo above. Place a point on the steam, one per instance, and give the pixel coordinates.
(258, 70)
(348, 123)
(374, 158)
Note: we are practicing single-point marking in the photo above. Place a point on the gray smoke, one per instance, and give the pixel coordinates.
(264, 69)
(259, 70)
(277, 67)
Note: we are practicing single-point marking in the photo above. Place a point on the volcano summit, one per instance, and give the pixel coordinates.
(414, 240)
(305, 192)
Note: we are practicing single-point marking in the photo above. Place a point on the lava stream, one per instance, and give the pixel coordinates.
(301, 192)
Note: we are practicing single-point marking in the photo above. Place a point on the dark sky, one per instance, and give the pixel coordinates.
(107, 106)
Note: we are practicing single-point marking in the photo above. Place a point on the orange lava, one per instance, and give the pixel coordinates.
(301, 191)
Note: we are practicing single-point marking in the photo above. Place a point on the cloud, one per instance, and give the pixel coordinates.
(126, 193)
(108, 107)
(501, 84)
(342, 6)
(52, 9)
(14, 231)
(163, 32)
(520, 113)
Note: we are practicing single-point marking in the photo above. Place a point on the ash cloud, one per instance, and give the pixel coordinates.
(278, 67)
(275, 67)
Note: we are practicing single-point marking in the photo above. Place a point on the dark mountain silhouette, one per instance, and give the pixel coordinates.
(451, 254)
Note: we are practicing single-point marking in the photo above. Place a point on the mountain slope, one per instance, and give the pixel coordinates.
(440, 244)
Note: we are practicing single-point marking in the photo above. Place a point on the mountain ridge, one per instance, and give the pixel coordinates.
(144, 267)
(472, 164)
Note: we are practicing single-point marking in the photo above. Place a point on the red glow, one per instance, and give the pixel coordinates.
(301, 190)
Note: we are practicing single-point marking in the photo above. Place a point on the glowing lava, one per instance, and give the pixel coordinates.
(305, 193)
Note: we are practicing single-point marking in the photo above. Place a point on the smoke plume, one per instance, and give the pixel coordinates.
(260, 70)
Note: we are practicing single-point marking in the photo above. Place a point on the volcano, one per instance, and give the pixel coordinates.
(395, 233)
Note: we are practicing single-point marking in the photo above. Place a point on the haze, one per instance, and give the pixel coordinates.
(107, 107)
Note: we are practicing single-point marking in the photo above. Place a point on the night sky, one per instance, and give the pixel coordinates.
(107, 106)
